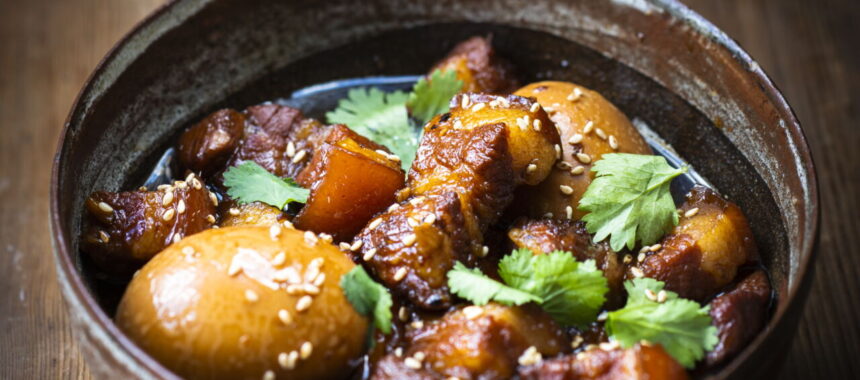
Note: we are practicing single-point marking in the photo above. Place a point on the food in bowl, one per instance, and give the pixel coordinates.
(522, 232)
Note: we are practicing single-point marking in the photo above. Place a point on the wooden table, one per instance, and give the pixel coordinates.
(47, 48)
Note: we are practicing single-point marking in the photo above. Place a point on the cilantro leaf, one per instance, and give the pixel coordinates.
(381, 117)
(572, 291)
(474, 286)
(368, 297)
(681, 326)
(629, 199)
(250, 182)
(430, 97)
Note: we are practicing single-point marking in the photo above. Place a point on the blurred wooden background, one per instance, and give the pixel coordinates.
(48, 48)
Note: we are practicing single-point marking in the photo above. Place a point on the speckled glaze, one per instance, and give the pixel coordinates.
(662, 64)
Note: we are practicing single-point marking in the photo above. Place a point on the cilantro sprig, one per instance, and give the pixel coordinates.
(629, 199)
(681, 326)
(368, 297)
(250, 182)
(571, 292)
(384, 117)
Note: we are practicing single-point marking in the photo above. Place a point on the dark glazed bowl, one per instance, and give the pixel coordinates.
(658, 61)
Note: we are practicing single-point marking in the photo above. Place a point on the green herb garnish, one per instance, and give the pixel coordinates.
(681, 326)
(368, 297)
(629, 199)
(250, 182)
(431, 97)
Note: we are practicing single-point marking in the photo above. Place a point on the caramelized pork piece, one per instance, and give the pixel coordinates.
(475, 342)
(703, 252)
(739, 315)
(249, 214)
(477, 153)
(126, 229)
(640, 362)
(590, 126)
(547, 235)
(350, 179)
(478, 66)
(206, 146)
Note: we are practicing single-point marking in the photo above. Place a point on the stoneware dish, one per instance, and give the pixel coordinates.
(658, 61)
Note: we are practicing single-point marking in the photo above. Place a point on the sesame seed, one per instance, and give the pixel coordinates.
(288, 224)
(180, 207)
(417, 200)
(187, 250)
(600, 133)
(310, 289)
(142, 188)
(285, 362)
(210, 218)
(494, 103)
(661, 296)
(430, 218)
(637, 272)
(531, 168)
(576, 342)
(393, 207)
(234, 269)
(234, 211)
(356, 245)
(417, 324)
(655, 247)
(691, 212)
(641, 257)
(181, 184)
(306, 350)
(565, 189)
(458, 124)
(168, 215)
(408, 240)
(400, 274)
(275, 231)
(484, 250)
(318, 282)
(196, 184)
(293, 289)
(557, 151)
(177, 237)
(285, 317)
(403, 314)
(478, 107)
(163, 187)
(375, 223)
(575, 139)
(412, 363)
(105, 207)
(536, 125)
(304, 303)
(167, 199)
(213, 198)
(251, 296)
(575, 95)
(609, 346)
(588, 127)
(369, 254)
(650, 295)
(299, 156)
(530, 356)
(344, 246)
(568, 212)
(269, 375)
(412, 222)
(279, 259)
(602, 316)
(291, 149)
(613, 142)
(577, 170)
(523, 122)
(326, 237)
(503, 102)
(548, 215)
(583, 158)
(472, 312)
(310, 238)
(104, 237)
(534, 108)
(419, 356)
(465, 102)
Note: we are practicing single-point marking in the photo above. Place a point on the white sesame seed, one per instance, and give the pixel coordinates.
(613, 142)
(291, 149)
(465, 102)
(400, 274)
(285, 362)
(637, 272)
(577, 170)
(609, 346)
(269, 375)
(196, 183)
(356, 245)
(602, 316)
(430, 218)
(279, 259)
(565, 189)
(530, 356)
(568, 212)
(588, 127)
(531, 168)
(419, 356)
(294, 356)
(575, 139)
(655, 247)
(408, 240)
(299, 156)
(381, 152)
(417, 200)
(557, 151)
(306, 350)
(177, 237)
(187, 250)
(641, 257)
(180, 207)
(494, 103)
(523, 122)
(289, 225)
(458, 124)
(503, 102)
(104, 237)
(369, 254)
(548, 215)
(661, 296)
(251, 296)
(168, 215)
(534, 108)
(234, 269)
(577, 340)
(167, 199)
(412, 363)
(583, 158)
(484, 250)
(310, 238)
(375, 223)
(210, 218)
(163, 187)
(213, 198)
(181, 184)
(403, 314)
(393, 207)
(536, 125)
(310, 289)
(234, 211)
(412, 222)
(344, 246)
(691, 212)
(275, 231)
(285, 317)
(398, 352)
(318, 282)
(105, 207)
(304, 303)
(650, 295)
(575, 95)
(600, 133)
(326, 237)
(142, 188)
(478, 107)
(472, 312)
(417, 324)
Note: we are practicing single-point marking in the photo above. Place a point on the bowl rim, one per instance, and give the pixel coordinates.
(72, 284)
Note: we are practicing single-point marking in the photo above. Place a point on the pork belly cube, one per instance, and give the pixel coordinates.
(479, 67)
(739, 314)
(205, 147)
(640, 362)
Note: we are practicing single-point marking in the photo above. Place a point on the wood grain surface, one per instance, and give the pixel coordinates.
(48, 48)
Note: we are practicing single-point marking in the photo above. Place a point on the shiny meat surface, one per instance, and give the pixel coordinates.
(739, 315)
(479, 67)
(640, 362)
(475, 342)
(126, 229)
(206, 146)
(547, 235)
(703, 252)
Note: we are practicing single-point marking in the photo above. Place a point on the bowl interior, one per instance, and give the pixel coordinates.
(223, 54)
